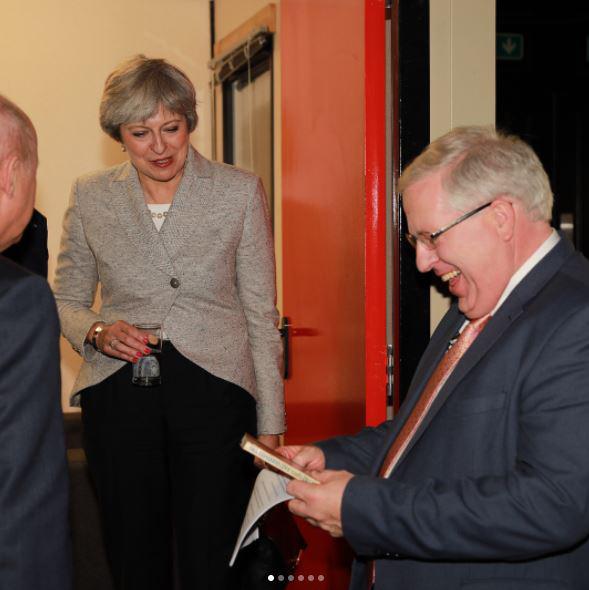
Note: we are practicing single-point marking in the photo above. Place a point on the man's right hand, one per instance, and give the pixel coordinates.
(308, 457)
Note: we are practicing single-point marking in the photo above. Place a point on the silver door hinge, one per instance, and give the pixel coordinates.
(390, 374)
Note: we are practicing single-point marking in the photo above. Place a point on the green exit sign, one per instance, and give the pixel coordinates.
(510, 46)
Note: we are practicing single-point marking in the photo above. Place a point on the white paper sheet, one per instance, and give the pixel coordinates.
(269, 490)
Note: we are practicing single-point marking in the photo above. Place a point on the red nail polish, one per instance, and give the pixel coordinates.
(134, 360)
(147, 350)
(138, 354)
(145, 339)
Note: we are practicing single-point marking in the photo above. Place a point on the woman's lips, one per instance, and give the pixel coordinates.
(163, 162)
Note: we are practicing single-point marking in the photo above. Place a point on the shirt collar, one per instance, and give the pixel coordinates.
(527, 266)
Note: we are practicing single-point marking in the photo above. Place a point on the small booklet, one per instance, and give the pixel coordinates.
(273, 459)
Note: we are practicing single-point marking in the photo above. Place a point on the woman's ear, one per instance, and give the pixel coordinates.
(503, 217)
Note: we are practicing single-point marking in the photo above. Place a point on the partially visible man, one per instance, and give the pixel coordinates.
(482, 480)
(31, 251)
(35, 551)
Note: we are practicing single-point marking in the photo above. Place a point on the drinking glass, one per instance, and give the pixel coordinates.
(146, 371)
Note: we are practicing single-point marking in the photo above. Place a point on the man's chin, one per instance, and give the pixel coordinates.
(464, 307)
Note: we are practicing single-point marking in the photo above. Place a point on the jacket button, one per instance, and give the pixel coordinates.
(174, 283)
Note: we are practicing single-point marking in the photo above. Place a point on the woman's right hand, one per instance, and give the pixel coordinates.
(120, 340)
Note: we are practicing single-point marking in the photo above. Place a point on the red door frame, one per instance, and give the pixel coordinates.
(375, 190)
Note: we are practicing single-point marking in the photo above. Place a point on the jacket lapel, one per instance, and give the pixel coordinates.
(484, 342)
(135, 218)
(508, 313)
(190, 205)
(428, 362)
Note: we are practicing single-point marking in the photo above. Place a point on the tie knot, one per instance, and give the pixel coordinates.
(472, 330)
(480, 323)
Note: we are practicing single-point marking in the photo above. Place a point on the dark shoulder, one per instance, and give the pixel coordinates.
(14, 276)
(567, 292)
(576, 270)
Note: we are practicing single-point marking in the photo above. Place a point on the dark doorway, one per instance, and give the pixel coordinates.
(543, 96)
(410, 135)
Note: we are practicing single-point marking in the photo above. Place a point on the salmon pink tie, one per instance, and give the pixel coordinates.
(425, 401)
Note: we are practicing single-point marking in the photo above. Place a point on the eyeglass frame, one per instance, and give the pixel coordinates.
(430, 239)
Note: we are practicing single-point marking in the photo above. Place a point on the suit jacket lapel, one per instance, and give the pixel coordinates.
(190, 205)
(188, 208)
(428, 362)
(135, 218)
(511, 309)
(484, 342)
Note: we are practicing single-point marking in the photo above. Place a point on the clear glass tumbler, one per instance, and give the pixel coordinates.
(146, 371)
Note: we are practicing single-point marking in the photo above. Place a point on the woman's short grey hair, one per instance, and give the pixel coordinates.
(483, 164)
(17, 134)
(137, 88)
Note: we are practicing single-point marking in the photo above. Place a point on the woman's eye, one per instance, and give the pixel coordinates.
(138, 133)
(172, 129)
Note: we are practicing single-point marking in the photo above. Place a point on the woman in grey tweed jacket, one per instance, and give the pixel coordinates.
(170, 476)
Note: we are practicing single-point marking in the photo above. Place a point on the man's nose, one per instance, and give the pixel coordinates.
(425, 258)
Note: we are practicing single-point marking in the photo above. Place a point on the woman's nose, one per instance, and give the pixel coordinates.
(158, 145)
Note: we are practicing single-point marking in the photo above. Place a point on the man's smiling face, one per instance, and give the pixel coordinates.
(469, 257)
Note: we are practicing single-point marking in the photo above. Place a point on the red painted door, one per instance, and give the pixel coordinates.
(332, 54)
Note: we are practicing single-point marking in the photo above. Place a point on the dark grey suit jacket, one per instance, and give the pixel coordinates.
(35, 549)
(493, 491)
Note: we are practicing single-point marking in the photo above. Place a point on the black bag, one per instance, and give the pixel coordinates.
(275, 553)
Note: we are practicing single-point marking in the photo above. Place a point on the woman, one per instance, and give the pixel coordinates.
(176, 239)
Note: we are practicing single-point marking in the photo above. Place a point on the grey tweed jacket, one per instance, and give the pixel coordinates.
(207, 275)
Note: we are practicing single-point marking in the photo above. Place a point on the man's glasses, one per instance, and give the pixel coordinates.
(428, 241)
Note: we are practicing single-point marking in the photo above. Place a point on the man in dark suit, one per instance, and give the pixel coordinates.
(35, 549)
(31, 251)
(482, 479)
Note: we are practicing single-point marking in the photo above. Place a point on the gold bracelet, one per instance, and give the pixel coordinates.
(97, 329)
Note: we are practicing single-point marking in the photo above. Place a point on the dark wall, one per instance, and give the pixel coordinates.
(544, 98)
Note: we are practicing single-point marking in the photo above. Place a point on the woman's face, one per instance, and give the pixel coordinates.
(157, 147)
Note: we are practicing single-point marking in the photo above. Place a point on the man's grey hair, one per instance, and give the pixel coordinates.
(17, 134)
(137, 88)
(482, 164)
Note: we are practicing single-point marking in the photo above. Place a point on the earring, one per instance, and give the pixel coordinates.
(123, 148)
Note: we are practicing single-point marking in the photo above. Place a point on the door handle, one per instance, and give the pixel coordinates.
(285, 334)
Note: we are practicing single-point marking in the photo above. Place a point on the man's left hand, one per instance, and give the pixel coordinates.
(321, 504)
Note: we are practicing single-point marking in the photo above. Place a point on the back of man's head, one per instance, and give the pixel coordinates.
(17, 134)
(18, 170)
